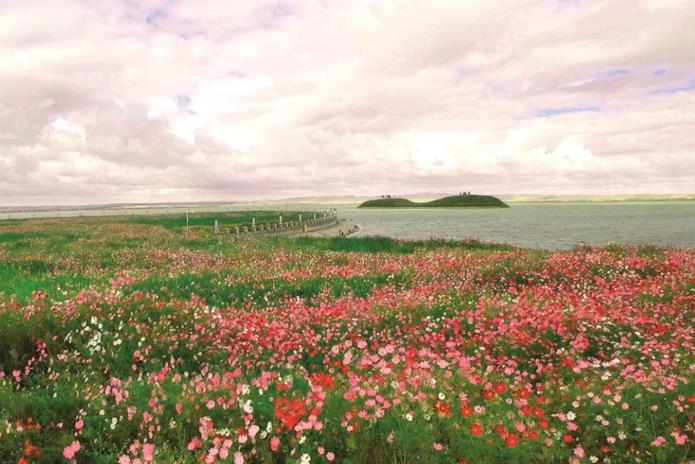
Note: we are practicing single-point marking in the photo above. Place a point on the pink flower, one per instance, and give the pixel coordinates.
(72, 449)
(579, 451)
(195, 443)
(658, 441)
(238, 458)
(437, 446)
(274, 443)
(330, 456)
(124, 459)
(147, 452)
(79, 424)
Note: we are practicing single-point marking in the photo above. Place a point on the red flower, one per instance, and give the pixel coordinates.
(30, 450)
(466, 411)
(325, 380)
(443, 408)
(476, 429)
(500, 388)
(512, 440)
(289, 412)
(281, 387)
(567, 438)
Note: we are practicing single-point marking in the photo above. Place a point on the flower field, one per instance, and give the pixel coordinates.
(127, 343)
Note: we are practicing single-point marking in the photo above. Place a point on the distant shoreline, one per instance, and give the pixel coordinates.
(127, 208)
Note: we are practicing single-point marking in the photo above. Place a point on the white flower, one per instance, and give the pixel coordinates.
(248, 409)
(408, 417)
(571, 416)
(306, 459)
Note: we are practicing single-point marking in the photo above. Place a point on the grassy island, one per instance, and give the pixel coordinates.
(454, 201)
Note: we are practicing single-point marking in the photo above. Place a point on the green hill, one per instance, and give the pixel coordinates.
(389, 203)
(454, 201)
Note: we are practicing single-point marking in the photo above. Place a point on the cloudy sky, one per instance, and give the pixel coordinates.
(180, 100)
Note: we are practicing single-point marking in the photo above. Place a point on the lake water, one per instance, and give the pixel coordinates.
(553, 226)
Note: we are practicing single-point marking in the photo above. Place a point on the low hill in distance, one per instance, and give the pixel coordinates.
(454, 201)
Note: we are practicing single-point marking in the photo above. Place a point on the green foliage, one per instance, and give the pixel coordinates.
(389, 245)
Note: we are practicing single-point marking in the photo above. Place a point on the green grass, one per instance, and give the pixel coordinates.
(388, 245)
(234, 218)
(259, 293)
(22, 279)
(454, 201)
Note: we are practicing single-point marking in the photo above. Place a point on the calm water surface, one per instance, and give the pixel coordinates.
(548, 225)
(552, 226)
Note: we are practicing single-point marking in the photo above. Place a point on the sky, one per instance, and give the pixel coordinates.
(195, 100)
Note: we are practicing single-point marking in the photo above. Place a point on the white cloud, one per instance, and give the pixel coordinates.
(112, 100)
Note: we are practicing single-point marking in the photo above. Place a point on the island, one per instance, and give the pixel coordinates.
(465, 200)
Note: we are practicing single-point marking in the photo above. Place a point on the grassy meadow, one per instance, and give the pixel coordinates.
(124, 341)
